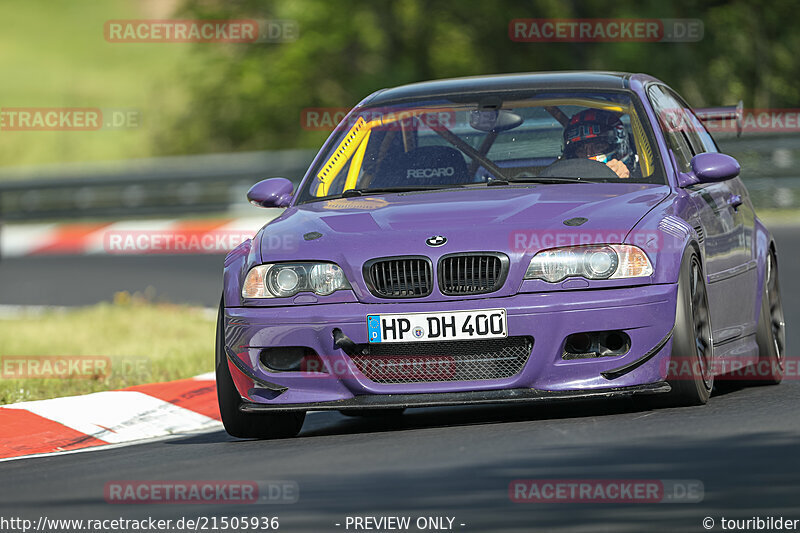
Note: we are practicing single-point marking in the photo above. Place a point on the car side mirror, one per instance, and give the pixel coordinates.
(272, 192)
(710, 167)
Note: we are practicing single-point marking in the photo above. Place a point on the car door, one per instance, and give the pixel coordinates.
(738, 281)
(724, 219)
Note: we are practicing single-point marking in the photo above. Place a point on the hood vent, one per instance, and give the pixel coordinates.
(577, 221)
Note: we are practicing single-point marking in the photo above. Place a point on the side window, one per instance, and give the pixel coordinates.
(674, 128)
(698, 134)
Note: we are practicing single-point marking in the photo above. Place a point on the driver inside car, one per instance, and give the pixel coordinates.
(599, 135)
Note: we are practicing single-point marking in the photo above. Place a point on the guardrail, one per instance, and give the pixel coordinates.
(196, 185)
(769, 167)
(170, 186)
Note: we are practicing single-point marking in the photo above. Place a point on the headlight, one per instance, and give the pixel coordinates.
(281, 280)
(325, 278)
(607, 261)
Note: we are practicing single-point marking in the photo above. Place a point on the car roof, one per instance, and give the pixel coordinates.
(507, 82)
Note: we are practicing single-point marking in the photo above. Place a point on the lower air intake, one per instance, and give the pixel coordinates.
(426, 362)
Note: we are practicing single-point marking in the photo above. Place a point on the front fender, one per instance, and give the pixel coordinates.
(237, 263)
(664, 234)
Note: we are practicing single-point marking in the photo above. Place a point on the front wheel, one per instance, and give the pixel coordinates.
(247, 425)
(689, 373)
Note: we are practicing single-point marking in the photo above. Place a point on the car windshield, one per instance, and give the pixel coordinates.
(487, 139)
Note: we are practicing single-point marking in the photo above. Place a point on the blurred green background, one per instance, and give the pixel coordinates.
(215, 97)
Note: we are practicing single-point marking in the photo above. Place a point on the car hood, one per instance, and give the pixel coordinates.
(350, 231)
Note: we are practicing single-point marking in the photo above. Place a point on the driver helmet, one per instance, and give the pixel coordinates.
(599, 135)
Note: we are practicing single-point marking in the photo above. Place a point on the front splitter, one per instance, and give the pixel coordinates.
(440, 399)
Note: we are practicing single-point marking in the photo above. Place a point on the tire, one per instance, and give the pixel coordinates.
(247, 425)
(689, 373)
(373, 413)
(771, 332)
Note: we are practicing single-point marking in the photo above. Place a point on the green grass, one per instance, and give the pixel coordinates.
(54, 54)
(145, 343)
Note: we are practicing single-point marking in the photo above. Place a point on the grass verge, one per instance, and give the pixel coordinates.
(109, 346)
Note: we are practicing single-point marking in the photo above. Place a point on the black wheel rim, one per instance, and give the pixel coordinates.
(777, 323)
(701, 323)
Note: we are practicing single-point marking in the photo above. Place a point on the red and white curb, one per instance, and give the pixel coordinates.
(120, 417)
(130, 237)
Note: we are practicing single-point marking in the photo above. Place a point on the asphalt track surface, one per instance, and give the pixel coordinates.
(744, 446)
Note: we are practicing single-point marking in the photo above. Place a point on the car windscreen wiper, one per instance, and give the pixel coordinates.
(378, 190)
(534, 179)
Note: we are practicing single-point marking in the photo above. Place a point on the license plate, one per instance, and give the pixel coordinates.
(452, 325)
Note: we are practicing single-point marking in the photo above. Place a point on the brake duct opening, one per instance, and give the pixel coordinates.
(592, 344)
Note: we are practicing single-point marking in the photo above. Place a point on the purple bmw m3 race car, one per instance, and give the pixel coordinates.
(500, 239)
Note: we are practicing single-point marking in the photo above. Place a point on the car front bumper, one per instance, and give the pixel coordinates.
(645, 313)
